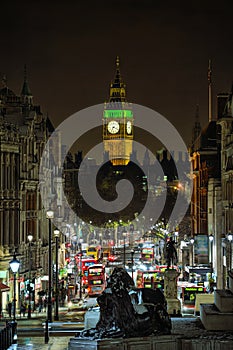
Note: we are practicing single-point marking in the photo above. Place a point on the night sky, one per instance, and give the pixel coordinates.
(164, 47)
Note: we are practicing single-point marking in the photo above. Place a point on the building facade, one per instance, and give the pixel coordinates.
(211, 207)
(24, 130)
(226, 123)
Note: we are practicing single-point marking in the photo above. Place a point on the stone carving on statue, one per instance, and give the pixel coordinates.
(170, 284)
(127, 311)
(169, 291)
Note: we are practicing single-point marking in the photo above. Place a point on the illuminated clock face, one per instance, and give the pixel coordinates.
(113, 127)
(128, 127)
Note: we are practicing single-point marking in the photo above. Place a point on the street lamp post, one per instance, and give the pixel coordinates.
(14, 265)
(192, 250)
(211, 238)
(230, 238)
(100, 239)
(30, 237)
(50, 216)
(132, 261)
(80, 268)
(124, 233)
(56, 314)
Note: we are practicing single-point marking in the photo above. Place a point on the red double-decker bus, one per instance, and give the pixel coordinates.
(82, 265)
(147, 254)
(149, 279)
(96, 279)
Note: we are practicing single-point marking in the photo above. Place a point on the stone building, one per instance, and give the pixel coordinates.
(226, 123)
(211, 207)
(24, 130)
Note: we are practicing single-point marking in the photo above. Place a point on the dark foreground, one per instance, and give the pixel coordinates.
(189, 328)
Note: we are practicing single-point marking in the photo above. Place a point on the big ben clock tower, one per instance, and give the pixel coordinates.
(118, 122)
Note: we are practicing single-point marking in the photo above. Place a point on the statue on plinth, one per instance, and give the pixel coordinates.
(127, 311)
(171, 253)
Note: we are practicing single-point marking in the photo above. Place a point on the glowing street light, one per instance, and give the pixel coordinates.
(230, 238)
(192, 250)
(56, 314)
(176, 234)
(14, 265)
(49, 216)
(132, 260)
(30, 238)
(124, 233)
(211, 238)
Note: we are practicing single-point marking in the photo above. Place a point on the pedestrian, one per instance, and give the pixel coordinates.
(22, 309)
(9, 308)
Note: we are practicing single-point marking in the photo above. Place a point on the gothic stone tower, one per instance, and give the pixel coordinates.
(118, 122)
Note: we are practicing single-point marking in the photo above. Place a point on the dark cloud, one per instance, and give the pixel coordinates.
(70, 49)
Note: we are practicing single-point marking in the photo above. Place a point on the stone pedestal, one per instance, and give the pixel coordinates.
(219, 316)
(202, 298)
(174, 307)
(223, 299)
(163, 342)
(170, 292)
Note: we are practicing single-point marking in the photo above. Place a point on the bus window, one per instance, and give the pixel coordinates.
(96, 282)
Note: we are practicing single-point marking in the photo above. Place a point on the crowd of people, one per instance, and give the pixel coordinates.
(41, 306)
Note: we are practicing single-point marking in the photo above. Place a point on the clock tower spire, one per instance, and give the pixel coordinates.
(118, 122)
(117, 87)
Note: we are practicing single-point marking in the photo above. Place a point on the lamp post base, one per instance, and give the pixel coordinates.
(14, 332)
(46, 334)
(50, 313)
(29, 311)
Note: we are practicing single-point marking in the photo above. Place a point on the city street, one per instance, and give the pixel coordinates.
(188, 327)
(37, 343)
(31, 332)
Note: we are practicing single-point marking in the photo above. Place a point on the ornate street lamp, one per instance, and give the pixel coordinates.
(124, 233)
(132, 261)
(50, 216)
(100, 239)
(211, 238)
(230, 238)
(191, 240)
(30, 238)
(14, 265)
(176, 234)
(56, 315)
(80, 267)
(192, 249)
